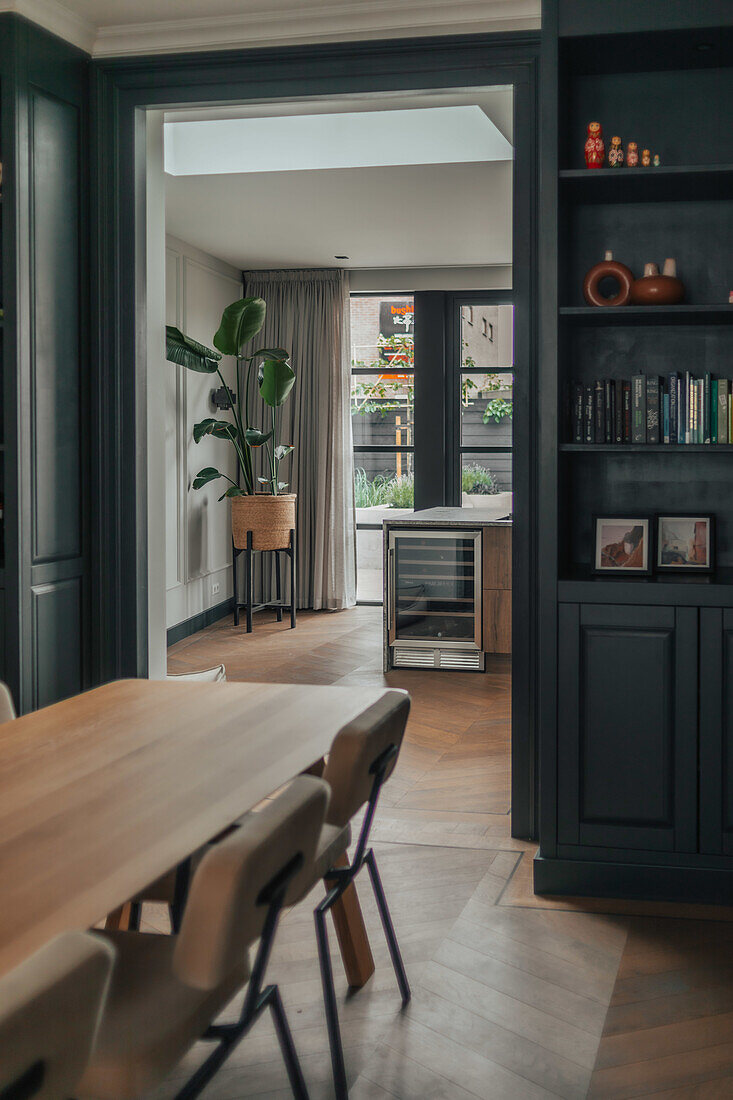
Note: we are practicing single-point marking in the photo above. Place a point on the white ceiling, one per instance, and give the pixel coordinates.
(408, 216)
(124, 27)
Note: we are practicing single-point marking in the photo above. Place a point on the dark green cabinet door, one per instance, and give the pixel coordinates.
(627, 738)
(716, 731)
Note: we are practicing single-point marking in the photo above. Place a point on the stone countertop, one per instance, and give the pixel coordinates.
(450, 517)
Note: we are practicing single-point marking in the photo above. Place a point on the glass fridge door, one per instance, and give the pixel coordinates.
(435, 587)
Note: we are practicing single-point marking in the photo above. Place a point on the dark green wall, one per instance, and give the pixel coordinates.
(44, 90)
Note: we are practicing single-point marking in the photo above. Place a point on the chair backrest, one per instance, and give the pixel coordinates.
(355, 749)
(50, 1007)
(226, 910)
(215, 675)
(7, 707)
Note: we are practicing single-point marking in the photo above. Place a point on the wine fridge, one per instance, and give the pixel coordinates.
(433, 599)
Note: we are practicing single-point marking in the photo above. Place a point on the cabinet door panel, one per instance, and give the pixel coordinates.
(716, 731)
(628, 729)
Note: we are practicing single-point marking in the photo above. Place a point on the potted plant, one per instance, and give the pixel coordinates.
(258, 503)
(479, 490)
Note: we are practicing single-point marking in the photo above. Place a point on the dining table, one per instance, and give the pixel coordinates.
(104, 792)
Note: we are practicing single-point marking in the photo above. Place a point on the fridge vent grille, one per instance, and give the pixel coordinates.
(458, 659)
(421, 657)
(413, 657)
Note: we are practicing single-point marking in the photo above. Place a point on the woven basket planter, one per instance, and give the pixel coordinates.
(269, 518)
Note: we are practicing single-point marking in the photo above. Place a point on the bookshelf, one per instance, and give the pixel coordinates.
(637, 759)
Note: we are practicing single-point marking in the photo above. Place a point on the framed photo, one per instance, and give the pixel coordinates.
(621, 545)
(685, 544)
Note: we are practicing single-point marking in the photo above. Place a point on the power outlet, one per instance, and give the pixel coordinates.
(215, 588)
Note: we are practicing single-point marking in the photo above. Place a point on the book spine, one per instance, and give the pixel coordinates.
(587, 414)
(618, 409)
(713, 410)
(638, 409)
(600, 413)
(680, 410)
(672, 386)
(577, 413)
(627, 412)
(698, 410)
(652, 409)
(608, 392)
(706, 409)
(689, 407)
(722, 410)
(665, 417)
(730, 414)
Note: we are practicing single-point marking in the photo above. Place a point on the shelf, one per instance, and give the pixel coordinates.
(666, 183)
(648, 315)
(645, 448)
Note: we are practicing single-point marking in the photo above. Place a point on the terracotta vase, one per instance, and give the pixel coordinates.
(608, 268)
(658, 290)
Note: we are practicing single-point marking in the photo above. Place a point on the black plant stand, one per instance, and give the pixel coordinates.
(277, 604)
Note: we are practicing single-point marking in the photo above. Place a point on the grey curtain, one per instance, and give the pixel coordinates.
(308, 313)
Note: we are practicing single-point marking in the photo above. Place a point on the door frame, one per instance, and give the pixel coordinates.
(121, 93)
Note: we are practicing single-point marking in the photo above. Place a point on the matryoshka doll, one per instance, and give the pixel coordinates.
(632, 155)
(594, 147)
(646, 158)
(615, 153)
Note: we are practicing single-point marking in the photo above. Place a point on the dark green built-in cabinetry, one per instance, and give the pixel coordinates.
(636, 770)
(44, 467)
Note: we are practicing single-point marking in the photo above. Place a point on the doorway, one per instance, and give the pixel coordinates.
(125, 93)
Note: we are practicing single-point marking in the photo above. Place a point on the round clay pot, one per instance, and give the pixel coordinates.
(269, 518)
(657, 290)
(605, 270)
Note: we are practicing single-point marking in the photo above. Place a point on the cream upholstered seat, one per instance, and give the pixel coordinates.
(362, 757)
(7, 707)
(214, 675)
(167, 990)
(49, 1011)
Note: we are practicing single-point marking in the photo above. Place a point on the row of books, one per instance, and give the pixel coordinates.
(677, 408)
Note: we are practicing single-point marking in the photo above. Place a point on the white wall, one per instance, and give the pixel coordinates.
(198, 533)
(388, 280)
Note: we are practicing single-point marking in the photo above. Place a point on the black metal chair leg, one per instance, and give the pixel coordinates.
(287, 1046)
(135, 916)
(278, 586)
(329, 1000)
(389, 932)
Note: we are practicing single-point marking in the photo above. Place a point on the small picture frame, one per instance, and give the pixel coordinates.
(622, 545)
(685, 543)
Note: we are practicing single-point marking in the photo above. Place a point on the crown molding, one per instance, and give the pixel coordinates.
(334, 21)
(291, 24)
(55, 18)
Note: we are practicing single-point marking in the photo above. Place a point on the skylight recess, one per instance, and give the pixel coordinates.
(361, 139)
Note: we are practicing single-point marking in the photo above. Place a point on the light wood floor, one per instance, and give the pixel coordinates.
(513, 996)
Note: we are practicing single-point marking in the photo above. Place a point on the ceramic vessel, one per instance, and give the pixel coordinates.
(594, 146)
(658, 290)
(608, 269)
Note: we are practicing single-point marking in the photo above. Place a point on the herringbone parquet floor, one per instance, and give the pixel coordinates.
(511, 993)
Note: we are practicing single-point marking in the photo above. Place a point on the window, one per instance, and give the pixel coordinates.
(382, 418)
(486, 404)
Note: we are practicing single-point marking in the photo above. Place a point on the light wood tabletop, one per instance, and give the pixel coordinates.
(102, 793)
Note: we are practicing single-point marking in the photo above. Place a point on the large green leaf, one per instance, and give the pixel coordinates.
(181, 349)
(240, 321)
(276, 379)
(203, 477)
(222, 429)
(233, 491)
(255, 437)
(270, 353)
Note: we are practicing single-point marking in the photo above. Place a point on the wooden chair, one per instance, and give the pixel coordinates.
(7, 707)
(49, 1011)
(362, 758)
(167, 990)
